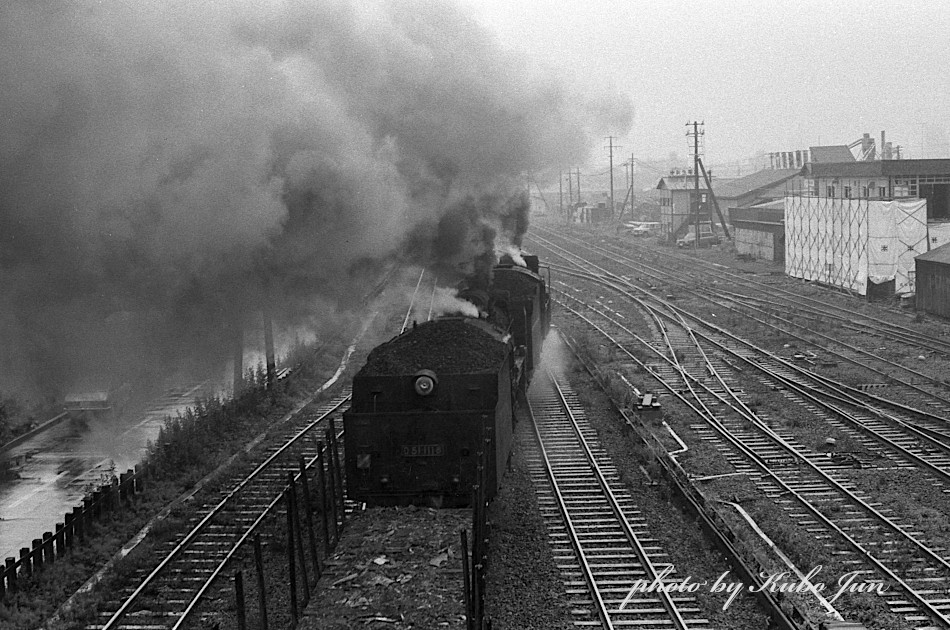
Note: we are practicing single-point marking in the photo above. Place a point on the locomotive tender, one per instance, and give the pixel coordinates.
(427, 401)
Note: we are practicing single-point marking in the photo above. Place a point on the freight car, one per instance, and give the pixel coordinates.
(429, 400)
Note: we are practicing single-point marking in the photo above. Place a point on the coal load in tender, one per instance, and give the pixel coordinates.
(448, 346)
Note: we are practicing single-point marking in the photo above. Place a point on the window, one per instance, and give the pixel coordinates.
(864, 191)
(829, 191)
(847, 192)
(882, 192)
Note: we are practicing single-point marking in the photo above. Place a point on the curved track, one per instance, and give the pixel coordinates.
(810, 486)
(796, 316)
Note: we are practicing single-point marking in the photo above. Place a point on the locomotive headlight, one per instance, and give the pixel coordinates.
(425, 382)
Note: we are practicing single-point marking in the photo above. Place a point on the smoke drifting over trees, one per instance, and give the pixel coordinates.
(164, 169)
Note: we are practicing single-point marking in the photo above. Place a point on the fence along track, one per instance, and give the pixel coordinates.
(600, 541)
(185, 572)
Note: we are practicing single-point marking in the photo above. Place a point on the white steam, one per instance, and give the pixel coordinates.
(445, 301)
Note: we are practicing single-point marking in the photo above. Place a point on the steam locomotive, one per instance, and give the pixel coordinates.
(427, 401)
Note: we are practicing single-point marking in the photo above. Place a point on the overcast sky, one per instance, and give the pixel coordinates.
(764, 76)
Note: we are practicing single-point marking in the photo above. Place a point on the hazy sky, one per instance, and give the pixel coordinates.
(764, 76)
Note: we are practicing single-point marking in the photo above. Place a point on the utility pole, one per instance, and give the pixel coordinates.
(633, 183)
(560, 193)
(579, 200)
(570, 189)
(695, 134)
(610, 147)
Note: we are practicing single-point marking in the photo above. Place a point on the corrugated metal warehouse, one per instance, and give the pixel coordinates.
(933, 281)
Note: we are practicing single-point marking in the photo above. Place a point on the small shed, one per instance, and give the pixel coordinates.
(760, 230)
(933, 281)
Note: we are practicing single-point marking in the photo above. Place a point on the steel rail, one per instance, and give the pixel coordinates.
(845, 394)
(749, 415)
(850, 347)
(792, 297)
(763, 466)
(119, 614)
(696, 500)
(918, 339)
(632, 538)
(602, 610)
(848, 322)
(839, 386)
(193, 604)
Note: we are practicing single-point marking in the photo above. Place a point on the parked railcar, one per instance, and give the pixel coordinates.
(429, 400)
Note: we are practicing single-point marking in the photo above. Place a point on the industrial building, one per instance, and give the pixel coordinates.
(933, 281)
(678, 191)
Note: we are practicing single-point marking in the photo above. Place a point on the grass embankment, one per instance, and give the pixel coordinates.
(188, 448)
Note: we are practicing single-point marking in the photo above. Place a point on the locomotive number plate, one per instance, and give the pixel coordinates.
(423, 450)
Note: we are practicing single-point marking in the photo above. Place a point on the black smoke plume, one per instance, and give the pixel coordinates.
(168, 169)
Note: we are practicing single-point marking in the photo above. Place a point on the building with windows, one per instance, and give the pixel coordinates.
(884, 179)
(678, 194)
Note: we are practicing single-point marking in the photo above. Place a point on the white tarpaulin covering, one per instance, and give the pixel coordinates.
(939, 234)
(846, 242)
(910, 219)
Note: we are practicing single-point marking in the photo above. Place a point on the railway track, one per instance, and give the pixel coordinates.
(599, 538)
(779, 306)
(768, 292)
(926, 425)
(185, 573)
(169, 593)
(806, 484)
(920, 442)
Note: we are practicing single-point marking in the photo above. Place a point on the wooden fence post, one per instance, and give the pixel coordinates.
(291, 565)
(308, 510)
(37, 554)
(70, 529)
(323, 500)
(332, 475)
(301, 555)
(60, 539)
(339, 475)
(25, 566)
(467, 583)
(79, 530)
(87, 512)
(11, 574)
(261, 585)
(239, 600)
(48, 548)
